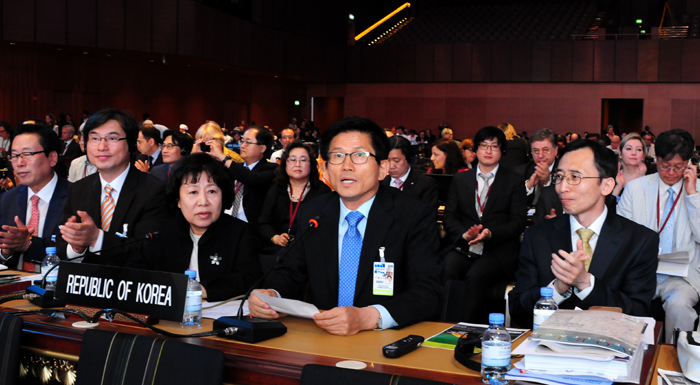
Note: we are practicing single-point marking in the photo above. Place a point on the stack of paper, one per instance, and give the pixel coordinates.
(677, 264)
(599, 346)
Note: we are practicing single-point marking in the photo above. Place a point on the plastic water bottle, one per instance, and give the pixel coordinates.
(50, 261)
(495, 351)
(193, 303)
(545, 307)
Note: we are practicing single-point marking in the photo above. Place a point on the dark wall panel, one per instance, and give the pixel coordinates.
(501, 62)
(670, 65)
(443, 63)
(406, 63)
(691, 61)
(354, 67)
(138, 25)
(481, 62)
(604, 61)
(626, 61)
(582, 67)
(521, 68)
(425, 62)
(18, 20)
(51, 22)
(165, 26)
(541, 61)
(188, 35)
(562, 60)
(648, 61)
(82, 23)
(462, 62)
(110, 24)
(214, 47)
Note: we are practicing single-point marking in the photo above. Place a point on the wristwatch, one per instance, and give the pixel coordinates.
(226, 159)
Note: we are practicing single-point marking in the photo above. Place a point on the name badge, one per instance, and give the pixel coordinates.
(383, 279)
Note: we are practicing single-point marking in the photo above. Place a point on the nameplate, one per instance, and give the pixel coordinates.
(156, 293)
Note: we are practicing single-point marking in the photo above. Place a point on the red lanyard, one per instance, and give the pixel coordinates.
(293, 214)
(478, 198)
(658, 215)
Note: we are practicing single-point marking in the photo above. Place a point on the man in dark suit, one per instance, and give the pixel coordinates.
(591, 256)
(70, 148)
(252, 178)
(148, 144)
(484, 217)
(115, 205)
(537, 172)
(30, 213)
(364, 229)
(404, 178)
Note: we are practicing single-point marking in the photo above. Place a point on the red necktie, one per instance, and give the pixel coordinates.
(34, 218)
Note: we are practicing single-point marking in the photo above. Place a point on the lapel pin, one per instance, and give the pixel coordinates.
(215, 259)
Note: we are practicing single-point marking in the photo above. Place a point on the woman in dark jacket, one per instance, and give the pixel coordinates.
(296, 183)
(200, 236)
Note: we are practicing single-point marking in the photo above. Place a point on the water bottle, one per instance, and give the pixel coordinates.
(50, 261)
(495, 351)
(193, 303)
(545, 307)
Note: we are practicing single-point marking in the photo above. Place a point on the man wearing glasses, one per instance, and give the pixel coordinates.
(115, 205)
(288, 135)
(484, 217)
(30, 213)
(365, 230)
(590, 256)
(668, 203)
(538, 185)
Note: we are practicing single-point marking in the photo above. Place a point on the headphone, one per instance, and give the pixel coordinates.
(184, 151)
(465, 350)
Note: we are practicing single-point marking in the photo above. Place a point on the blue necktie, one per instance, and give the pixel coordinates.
(666, 236)
(349, 260)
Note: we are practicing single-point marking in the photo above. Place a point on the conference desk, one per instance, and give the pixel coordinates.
(279, 360)
(666, 358)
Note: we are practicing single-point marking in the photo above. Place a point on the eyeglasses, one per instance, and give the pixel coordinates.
(544, 151)
(248, 142)
(287, 137)
(486, 146)
(572, 179)
(113, 139)
(292, 159)
(357, 157)
(23, 155)
(678, 169)
(168, 145)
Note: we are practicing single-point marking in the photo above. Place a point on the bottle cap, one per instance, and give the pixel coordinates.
(191, 273)
(496, 318)
(546, 292)
(50, 250)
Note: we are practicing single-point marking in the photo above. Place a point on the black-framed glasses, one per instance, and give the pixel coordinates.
(486, 146)
(113, 139)
(357, 157)
(572, 179)
(24, 155)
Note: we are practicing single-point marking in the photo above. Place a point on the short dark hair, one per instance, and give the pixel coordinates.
(48, 139)
(126, 122)
(180, 139)
(490, 133)
(281, 176)
(264, 136)
(604, 158)
(593, 136)
(380, 143)
(403, 144)
(544, 134)
(149, 132)
(190, 169)
(674, 142)
(4, 124)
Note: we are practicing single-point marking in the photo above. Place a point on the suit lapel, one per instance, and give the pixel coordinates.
(607, 246)
(55, 209)
(470, 196)
(497, 185)
(21, 206)
(126, 196)
(561, 238)
(328, 229)
(377, 224)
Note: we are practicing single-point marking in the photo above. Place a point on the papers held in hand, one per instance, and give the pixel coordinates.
(676, 264)
(289, 306)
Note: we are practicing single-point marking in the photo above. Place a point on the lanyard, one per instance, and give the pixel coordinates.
(658, 215)
(478, 199)
(293, 213)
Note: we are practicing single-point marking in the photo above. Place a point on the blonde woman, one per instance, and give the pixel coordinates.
(516, 147)
(210, 134)
(632, 154)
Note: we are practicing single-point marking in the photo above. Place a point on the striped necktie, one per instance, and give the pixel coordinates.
(107, 209)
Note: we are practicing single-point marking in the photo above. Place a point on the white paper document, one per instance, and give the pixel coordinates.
(676, 264)
(289, 306)
(215, 310)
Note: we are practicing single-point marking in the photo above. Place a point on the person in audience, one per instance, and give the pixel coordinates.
(109, 209)
(447, 133)
(668, 203)
(30, 213)
(184, 129)
(296, 182)
(538, 171)
(561, 142)
(210, 134)
(404, 178)
(50, 120)
(80, 167)
(70, 149)
(4, 138)
(467, 147)
(287, 136)
(363, 226)
(176, 145)
(615, 144)
(632, 155)
(515, 152)
(199, 235)
(649, 137)
(446, 158)
(484, 216)
(422, 138)
(430, 136)
(591, 256)
(148, 144)
(574, 136)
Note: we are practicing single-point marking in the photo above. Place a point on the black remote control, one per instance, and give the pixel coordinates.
(403, 346)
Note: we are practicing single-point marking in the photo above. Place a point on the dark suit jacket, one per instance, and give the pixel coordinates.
(14, 203)
(549, 199)
(159, 160)
(420, 186)
(73, 151)
(398, 222)
(516, 153)
(140, 205)
(256, 182)
(505, 214)
(526, 170)
(624, 265)
(228, 238)
(161, 171)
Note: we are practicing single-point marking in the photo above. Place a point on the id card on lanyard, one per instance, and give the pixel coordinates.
(383, 276)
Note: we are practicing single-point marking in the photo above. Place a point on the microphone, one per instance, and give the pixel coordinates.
(254, 330)
(40, 296)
